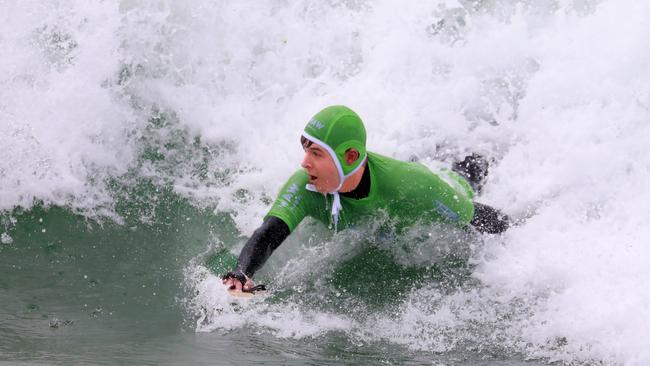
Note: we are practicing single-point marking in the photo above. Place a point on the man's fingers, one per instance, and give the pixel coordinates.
(249, 284)
(233, 284)
(236, 285)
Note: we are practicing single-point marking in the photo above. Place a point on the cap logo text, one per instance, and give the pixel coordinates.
(316, 123)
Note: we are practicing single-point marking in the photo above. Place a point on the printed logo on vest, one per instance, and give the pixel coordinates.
(291, 197)
(444, 210)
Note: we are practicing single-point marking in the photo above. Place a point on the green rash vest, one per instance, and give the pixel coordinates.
(407, 192)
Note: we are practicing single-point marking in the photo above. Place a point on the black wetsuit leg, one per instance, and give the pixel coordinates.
(489, 220)
(474, 168)
(486, 219)
(260, 246)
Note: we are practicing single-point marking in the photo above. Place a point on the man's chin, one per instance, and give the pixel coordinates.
(318, 185)
(321, 189)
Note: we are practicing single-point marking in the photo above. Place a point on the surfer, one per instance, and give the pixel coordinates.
(341, 183)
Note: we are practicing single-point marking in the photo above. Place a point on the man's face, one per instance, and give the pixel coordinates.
(320, 167)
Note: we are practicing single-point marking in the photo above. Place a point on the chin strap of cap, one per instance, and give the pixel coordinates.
(336, 198)
(336, 204)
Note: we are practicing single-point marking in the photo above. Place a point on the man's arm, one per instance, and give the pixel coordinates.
(262, 243)
(293, 203)
(257, 250)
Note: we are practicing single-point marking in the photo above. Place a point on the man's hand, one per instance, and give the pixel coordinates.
(238, 281)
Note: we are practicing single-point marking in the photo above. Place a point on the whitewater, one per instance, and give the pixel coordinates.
(176, 123)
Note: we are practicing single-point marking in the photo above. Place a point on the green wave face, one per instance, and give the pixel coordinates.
(67, 281)
(70, 282)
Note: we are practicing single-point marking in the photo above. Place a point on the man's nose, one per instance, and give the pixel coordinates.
(306, 162)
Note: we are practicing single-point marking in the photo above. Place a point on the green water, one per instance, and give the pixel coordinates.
(70, 286)
(78, 291)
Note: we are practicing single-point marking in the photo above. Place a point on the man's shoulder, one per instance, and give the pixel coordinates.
(295, 201)
(393, 167)
(396, 178)
(383, 162)
(297, 182)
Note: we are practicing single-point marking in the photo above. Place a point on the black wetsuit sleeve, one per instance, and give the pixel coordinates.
(261, 244)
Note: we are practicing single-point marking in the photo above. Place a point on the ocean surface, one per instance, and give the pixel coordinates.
(139, 138)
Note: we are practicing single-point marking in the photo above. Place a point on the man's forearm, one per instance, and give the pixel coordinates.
(261, 245)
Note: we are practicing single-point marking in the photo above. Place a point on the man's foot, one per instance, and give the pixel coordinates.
(474, 168)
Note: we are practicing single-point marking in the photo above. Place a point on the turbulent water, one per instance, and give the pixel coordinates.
(140, 137)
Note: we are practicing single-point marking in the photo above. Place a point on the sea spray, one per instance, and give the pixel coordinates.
(105, 103)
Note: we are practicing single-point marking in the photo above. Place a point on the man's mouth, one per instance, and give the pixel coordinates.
(312, 178)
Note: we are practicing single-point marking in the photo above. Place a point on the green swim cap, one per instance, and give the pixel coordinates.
(337, 128)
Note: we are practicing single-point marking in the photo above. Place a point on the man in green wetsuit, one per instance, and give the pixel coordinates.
(341, 184)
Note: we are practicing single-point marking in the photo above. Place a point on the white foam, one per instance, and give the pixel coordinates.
(566, 82)
(61, 129)
(214, 309)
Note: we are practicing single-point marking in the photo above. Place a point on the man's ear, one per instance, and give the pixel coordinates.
(351, 155)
